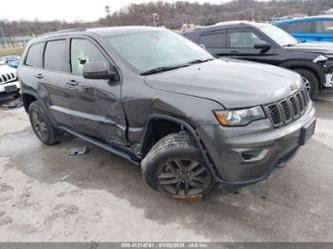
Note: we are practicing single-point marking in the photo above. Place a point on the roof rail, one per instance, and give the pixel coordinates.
(63, 31)
(233, 23)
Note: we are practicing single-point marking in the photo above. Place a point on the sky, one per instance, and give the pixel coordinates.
(68, 10)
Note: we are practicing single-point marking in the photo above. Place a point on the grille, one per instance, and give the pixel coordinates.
(5, 78)
(289, 109)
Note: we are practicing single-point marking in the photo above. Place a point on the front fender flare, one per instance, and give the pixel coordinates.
(188, 128)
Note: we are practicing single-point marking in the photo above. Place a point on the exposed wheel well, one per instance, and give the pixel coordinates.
(311, 70)
(27, 100)
(157, 129)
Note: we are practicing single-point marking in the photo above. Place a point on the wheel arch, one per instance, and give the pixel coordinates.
(307, 65)
(152, 123)
(27, 99)
(30, 96)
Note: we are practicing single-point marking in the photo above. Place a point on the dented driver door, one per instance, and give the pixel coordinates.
(96, 109)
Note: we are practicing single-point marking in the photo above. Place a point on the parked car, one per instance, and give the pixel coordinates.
(261, 42)
(157, 99)
(11, 60)
(9, 85)
(315, 28)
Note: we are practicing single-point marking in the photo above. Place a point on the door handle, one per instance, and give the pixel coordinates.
(39, 76)
(233, 53)
(72, 83)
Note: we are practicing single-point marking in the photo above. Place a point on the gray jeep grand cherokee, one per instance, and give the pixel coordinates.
(162, 102)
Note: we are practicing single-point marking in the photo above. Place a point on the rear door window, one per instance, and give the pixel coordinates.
(34, 56)
(55, 55)
(214, 40)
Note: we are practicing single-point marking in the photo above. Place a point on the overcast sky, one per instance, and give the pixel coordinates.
(69, 10)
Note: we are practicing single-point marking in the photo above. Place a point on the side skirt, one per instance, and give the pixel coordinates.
(111, 148)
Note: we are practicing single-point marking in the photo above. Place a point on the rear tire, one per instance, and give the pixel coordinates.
(311, 81)
(42, 125)
(175, 166)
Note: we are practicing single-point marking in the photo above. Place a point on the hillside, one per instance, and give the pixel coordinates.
(174, 15)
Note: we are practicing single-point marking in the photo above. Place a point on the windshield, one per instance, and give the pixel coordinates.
(156, 49)
(278, 35)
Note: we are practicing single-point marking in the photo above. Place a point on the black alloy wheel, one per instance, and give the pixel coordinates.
(184, 177)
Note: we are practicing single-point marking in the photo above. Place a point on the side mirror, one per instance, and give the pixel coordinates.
(98, 70)
(263, 46)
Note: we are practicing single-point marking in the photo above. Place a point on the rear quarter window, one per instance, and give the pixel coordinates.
(34, 55)
(325, 26)
(55, 55)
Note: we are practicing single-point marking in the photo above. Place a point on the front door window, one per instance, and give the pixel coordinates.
(83, 51)
(245, 39)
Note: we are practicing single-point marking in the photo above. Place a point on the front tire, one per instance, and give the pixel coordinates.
(310, 80)
(42, 125)
(174, 166)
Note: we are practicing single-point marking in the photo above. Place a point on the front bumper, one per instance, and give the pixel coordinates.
(9, 89)
(329, 80)
(246, 155)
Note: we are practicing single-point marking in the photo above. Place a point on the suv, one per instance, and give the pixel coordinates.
(266, 43)
(9, 85)
(314, 28)
(159, 100)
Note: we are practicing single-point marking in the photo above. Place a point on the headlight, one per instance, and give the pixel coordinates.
(239, 117)
(320, 58)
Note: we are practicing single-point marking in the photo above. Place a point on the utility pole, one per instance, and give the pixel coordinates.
(2, 36)
(107, 10)
(155, 18)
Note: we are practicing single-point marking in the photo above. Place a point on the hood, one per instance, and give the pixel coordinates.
(314, 47)
(4, 69)
(232, 83)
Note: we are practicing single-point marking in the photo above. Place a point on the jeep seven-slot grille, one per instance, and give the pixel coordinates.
(289, 109)
(5, 78)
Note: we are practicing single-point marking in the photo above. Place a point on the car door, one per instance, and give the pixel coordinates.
(33, 61)
(241, 45)
(96, 107)
(51, 80)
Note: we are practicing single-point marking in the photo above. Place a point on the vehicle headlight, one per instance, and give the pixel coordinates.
(320, 58)
(240, 117)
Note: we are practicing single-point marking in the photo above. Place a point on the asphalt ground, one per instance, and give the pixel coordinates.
(47, 195)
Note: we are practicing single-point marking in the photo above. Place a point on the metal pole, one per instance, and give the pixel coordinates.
(2, 36)
(154, 17)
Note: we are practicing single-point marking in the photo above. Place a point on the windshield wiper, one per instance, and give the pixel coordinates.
(168, 68)
(162, 69)
(288, 45)
(200, 61)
